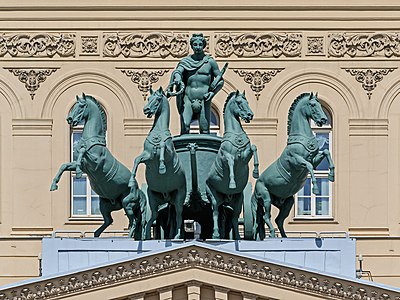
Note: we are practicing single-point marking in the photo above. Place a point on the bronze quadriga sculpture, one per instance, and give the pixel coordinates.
(108, 177)
(279, 183)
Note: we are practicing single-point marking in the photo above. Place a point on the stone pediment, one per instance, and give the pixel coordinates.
(195, 265)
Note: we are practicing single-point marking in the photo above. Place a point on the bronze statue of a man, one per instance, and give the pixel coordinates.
(196, 80)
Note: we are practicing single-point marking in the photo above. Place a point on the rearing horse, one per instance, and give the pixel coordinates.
(230, 171)
(288, 174)
(108, 177)
(164, 175)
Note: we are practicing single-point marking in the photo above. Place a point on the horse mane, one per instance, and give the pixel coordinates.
(230, 96)
(292, 108)
(101, 109)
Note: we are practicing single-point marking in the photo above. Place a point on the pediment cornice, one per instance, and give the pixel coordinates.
(195, 256)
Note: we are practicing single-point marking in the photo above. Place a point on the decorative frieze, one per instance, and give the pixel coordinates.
(315, 45)
(369, 77)
(158, 45)
(32, 77)
(258, 45)
(37, 45)
(257, 78)
(197, 257)
(364, 44)
(90, 45)
(144, 79)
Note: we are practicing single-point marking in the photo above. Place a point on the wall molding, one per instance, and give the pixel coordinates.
(368, 127)
(32, 127)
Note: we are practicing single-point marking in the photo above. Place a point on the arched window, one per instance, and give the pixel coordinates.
(84, 201)
(214, 123)
(307, 204)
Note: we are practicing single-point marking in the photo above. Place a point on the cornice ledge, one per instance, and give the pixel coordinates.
(32, 127)
(368, 127)
(137, 127)
(197, 256)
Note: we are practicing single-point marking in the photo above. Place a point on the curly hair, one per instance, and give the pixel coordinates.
(198, 36)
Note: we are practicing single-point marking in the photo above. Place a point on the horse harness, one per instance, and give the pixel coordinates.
(309, 143)
(238, 140)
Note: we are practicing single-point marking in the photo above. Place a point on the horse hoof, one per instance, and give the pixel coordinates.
(315, 191)
(232, 185)
(256, 174)
(53, 187)
(331, 178)
(162, 170)
(78, 175)
(215, 236)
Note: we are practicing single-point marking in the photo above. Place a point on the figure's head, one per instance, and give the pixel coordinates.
(79, 111)
(153, 102)
(198, 42)
(315, 110)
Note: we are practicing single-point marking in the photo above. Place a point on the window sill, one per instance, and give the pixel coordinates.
(84, 221)
(314, 220)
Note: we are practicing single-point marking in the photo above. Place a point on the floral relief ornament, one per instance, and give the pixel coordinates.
(32, 78)
(369, 77)
(89, 44)
(37, 45)
(257, 79)
(144, 79)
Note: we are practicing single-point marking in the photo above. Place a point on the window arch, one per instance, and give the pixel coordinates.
(307, 204)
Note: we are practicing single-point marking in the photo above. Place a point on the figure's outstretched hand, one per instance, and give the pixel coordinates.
(179, 88)
(207, 97)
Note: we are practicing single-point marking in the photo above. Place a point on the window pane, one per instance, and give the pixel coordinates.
(304, 206)
(79, 186)
(323, 185)
(95, 205)
(322, 204)
(79, 206)
(214, 119)
(306, 190)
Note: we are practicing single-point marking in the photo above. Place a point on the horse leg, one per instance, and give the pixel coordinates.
(154, 200)
(284, 211)
(215, 203)
(144, 156)
(162, 168)
(262, 192)
(256, 173)
(310, 168)
(79, 162)
(64, 167)
(231, 163)
(237, 204)
(106, 207)
(128, 203)
(319, 157)
(179, 200)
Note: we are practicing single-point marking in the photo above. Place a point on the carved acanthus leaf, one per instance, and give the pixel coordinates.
(32, 78)
(362, 45)
(146, 45)
(37, 45)
(144, 79)
(258, 45)
(257, 79)
(195, 257)
(369, 77)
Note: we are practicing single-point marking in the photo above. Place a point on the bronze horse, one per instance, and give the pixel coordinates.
(108, 177)
(230, 171)
(164, 175)
(288, 174)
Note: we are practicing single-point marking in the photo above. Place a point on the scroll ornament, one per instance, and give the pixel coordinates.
(258, 45)
(363, 45)
(157, 45)
(37, 45)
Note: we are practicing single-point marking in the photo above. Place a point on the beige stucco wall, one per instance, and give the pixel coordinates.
(35, 137)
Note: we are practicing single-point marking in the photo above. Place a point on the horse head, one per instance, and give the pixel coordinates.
(240, 106)
(79, 111)
(315, 111)
(153, 105)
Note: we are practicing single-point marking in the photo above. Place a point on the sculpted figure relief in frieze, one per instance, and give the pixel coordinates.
(37, 45)
(258, 45)
(159, 45)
